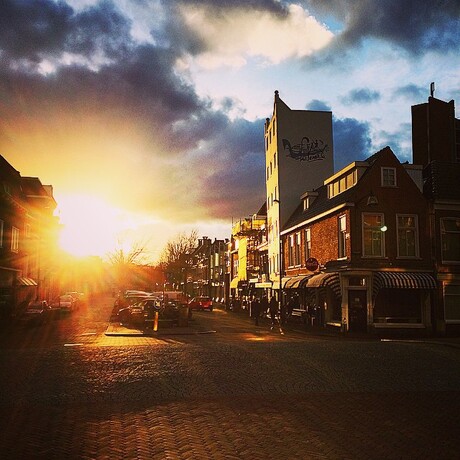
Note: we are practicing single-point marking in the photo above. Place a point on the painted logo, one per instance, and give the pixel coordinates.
(307, 150)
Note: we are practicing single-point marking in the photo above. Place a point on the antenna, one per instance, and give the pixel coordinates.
(432, 89)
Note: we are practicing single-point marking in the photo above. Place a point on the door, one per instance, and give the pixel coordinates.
(357, 310)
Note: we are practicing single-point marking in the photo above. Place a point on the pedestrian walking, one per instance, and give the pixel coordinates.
(274, 314)
(256, 310)
(264, 305)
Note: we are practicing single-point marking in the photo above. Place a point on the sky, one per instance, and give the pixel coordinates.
(147, 117)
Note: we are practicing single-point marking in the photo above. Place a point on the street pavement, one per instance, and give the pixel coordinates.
(222, 388)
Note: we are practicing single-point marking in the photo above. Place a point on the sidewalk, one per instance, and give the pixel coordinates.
(298, 327)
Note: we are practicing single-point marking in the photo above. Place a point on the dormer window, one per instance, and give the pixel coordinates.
(308, 198)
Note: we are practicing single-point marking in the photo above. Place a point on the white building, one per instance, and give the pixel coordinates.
(299, 157)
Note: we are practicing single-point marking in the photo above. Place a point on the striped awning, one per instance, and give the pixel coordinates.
(22, 281)
(402, 280)
(330, 280)
(285, 281)
(297, 282)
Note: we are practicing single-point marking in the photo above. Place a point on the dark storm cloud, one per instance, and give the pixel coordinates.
(131, 85)
(415, 25)
(361, 96)
(236, 176)
(352, 141)
(34, 29)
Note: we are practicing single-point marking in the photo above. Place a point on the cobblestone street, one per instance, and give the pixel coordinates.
(222, 389)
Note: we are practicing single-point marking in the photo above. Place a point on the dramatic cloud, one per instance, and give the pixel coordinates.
(352, 141)
(415, 25)
(352, 138)
(158, 106)
(231, 35)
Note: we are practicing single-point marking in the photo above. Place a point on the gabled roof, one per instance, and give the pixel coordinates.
(323, 204)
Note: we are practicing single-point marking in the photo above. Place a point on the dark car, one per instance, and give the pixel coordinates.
(144, 311)
(65, 303)
(37, 312)
(201, 303)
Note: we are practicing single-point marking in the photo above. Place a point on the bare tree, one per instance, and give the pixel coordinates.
(174, 257)
(178, 246)
(124, 261)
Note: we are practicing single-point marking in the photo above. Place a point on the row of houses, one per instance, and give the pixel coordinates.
(374, 247)
(28, 235)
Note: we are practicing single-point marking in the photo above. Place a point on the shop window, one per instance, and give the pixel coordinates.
(452, 302)
(373, 235)
(407, 226)
(398, 306)
(450, 239)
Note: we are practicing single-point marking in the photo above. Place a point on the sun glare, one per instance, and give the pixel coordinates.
(91, 227)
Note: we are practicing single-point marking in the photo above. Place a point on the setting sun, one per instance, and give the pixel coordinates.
(90, 225)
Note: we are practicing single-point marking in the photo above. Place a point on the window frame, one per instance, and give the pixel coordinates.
(443, 233)
(14, 239)
(447, 294)
(307, 243)
(384, 178)
(416, 237)
(342, 237)
(373, 229)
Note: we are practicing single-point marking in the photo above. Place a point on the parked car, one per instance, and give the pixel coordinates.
(66, 303)
(201, 303)
(144, 310)
(78, 296)
(37, 312)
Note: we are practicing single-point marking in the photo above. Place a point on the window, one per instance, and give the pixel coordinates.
(373, 235)
(452, 302)
(307, 244)
(1, 233)
(297, 249)
(14, 239)
(268, 172)
(291, 252)
(342, 235)
(388, 177)
(274, 160)
(407, 229)
(450, 239)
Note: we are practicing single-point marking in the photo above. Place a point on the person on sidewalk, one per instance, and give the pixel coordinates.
(255, 310)
(274, 314)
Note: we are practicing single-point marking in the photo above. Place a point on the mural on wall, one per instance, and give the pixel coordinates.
(307, 150)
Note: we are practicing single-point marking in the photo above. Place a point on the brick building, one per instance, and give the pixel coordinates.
(357, 249)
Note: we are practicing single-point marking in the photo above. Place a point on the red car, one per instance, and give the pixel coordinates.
(201, 303)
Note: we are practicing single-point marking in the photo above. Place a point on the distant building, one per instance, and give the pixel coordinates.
(245, 261)
(299, 156)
